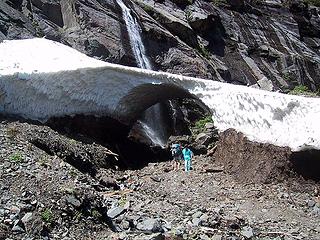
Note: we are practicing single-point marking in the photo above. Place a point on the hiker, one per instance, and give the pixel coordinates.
(176, 153)
(187, 156)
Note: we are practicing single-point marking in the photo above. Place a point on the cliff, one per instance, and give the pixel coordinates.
(273, 45)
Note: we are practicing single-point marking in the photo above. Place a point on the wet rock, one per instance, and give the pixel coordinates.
(150, 225)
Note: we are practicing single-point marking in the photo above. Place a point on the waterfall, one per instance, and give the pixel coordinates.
(134, 32)
(151, 122)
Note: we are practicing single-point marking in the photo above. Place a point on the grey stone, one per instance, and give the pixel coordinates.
(115, 211)
(311, 203)
(196, 221)
(7, 221)
(204, 218)
(150, 225)
(216, 237)
(316, 210)
(123, 236)
(18, 226)
(156, 236)
(197, 214)
(203, 138)
(247, 232)
(167, 226)
(73, 201)
(27, 217)
(204, 237)
(209, 126)
(125, 224)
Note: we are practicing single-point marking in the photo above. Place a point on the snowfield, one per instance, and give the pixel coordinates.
(40, 79)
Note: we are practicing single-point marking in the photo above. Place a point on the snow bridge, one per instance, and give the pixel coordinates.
(42, 79)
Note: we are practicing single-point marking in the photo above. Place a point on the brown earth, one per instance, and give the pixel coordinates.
(252, 162)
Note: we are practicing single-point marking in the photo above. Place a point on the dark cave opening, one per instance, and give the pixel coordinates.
(112, 134)
(307, 164)
(135, 150)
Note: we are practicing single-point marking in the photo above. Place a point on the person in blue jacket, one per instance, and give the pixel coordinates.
(187, 156)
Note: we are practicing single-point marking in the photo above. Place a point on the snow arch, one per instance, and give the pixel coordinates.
(41, 79)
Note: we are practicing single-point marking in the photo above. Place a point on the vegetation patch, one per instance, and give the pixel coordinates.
(199, 126)
(304, 91)
(219, 2)
(96, 214)
(47, 215)
(12, 132)
(203, 51)
(16, 157)
(313, 2)
(189, 15)
(147, 8)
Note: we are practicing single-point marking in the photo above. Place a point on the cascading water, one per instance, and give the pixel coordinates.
(151, 122)
(135, 37)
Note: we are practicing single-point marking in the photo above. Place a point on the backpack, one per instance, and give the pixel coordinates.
(176, 149)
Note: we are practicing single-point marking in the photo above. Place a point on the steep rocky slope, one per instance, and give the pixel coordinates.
(54, 187)
(270, 44)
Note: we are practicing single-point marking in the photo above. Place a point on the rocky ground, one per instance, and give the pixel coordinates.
(44, 195)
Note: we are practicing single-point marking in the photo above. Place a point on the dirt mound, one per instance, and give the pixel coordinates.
(250, 161)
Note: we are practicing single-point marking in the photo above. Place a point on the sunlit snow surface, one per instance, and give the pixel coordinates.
(40, 79)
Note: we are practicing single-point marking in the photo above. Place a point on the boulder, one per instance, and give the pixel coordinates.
(115, 211)
(150, 225)
(203, 139)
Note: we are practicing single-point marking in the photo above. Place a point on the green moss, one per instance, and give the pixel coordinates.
(190, 1)
(12, 132)
(77, 216)
(122, 201)
(189, 15)
(147, 8)
(199, 126)
(303, 90)
(313, 2)
(96, 214)
(47, 216)
(219, 2)
(16, 157)
(203, 51)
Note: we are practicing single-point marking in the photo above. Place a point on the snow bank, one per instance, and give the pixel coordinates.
(40, 79)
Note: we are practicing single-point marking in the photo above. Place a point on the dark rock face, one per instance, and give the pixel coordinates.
(267, 44)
